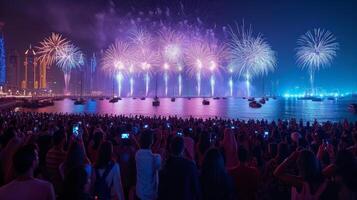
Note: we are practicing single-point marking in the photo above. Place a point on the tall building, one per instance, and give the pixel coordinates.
(13, 70)
(2, 56)
(31, 70)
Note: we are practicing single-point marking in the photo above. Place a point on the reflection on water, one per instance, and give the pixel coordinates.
(226, 108)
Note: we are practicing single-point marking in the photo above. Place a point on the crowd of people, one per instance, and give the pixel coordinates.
(88, 156)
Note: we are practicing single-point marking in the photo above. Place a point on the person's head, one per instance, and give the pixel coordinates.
(25, 159)
(308, 166)
(146, 139)
(58, 138)
(242, 155)
(213, 161)
(177, 146)
(104, 154)
(76, 183)
(75, 156)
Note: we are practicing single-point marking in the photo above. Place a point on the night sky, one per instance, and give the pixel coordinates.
(280, 21)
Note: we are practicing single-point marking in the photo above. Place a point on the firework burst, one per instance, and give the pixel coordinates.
(50, 46)
(69, 57)
(316, 49)
(251, 54)
(117, 58)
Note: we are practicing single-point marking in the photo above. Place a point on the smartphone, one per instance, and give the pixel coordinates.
(75, 130)
(146, 126)
(233, 127)
(256, 132)
(168, 125)
(179, 133)
(266, 134)
(35, 129)
(125, 136)
(190, 129)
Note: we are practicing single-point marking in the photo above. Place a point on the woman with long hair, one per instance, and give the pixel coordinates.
(216, 184)
(106, 176)
(76, 185)
(229, 145)
(310, 183)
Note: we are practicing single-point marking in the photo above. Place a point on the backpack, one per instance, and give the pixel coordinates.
(101, 190)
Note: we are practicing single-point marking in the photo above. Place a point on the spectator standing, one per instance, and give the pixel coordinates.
(147, 168)
(26, 186)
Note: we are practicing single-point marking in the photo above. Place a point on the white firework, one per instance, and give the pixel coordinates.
(316, 49)
(69, 57)
(251, 54)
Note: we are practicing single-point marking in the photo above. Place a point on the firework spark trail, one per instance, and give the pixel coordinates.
(316, 50)
(252, 55)
(68, 58)
(145, 54)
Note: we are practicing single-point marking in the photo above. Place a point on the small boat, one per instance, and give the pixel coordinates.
(119, 98)
(92, 99)
(205, 102)
(101, 98)
(254, 104)
(142, 98)
(156, 102)
(353, 107)
(251, 99)
(316, 99)
(80, 101)
(266, 98)
(262, 101)
(114, 100)
(189, 98)
(216, 98)
(57, 99)
(173, 99)
(73, 99)
(224, 97)
(331, 98)
(134, 97)
(274, 98)
(243, 97)
(107, 98)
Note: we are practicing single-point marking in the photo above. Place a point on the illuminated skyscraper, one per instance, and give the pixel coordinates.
(13, 70)
(31, 71)
(2, 57)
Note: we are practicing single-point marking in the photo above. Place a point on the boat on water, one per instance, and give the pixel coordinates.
(38, 103)
(224, 97)
(205, 102)
(107, 98)
(216, 98)
(79, 101)
(189, 98)
(101, 98)
(262, 101)
(251, 99)
(156, 102)
(254, 104)
(331, 98)
(353, 107)
(142, 98)
(317, 99)
(114, 100)
(173, 99)
(57, 99)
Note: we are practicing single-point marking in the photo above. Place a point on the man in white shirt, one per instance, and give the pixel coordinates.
(147, 168)
(25, 186)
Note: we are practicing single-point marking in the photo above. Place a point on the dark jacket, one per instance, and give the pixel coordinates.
(179, 180)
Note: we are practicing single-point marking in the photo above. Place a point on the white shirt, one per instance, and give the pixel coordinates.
(113, 179)
(147, 179)
(32, 189)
